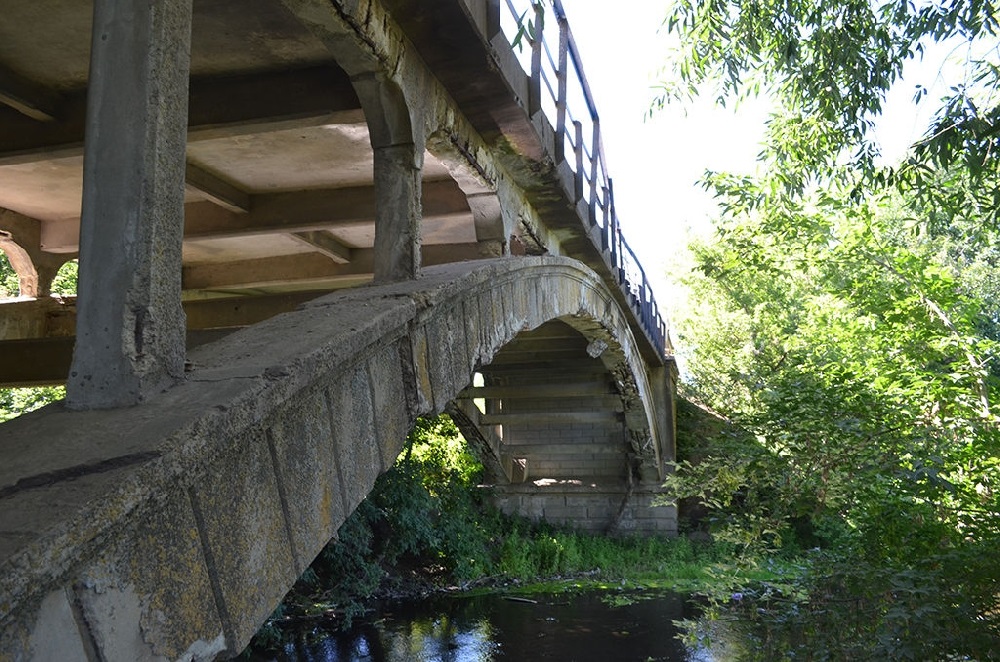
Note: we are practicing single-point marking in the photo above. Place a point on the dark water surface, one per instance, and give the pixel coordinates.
(612, 626)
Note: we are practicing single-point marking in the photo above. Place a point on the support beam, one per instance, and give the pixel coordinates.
(535, 391)
(397, 212)
(27, 98)
(220, 106)
(46, 361)
(130, 325)
(282, 213)
(543, 417)
(301, 269)
(51, 317)
(325, 243)
(217, 189)
(302, 211)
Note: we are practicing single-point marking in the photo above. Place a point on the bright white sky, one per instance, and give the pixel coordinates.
(655, 163)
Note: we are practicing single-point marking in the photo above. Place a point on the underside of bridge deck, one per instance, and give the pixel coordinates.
(280, 194)
(300, 225)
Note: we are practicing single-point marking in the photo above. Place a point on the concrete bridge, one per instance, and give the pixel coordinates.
(301, 224)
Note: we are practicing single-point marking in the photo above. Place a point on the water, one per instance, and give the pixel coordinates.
(600, 626)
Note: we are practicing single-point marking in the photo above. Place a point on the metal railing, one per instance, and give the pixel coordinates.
(559, 89)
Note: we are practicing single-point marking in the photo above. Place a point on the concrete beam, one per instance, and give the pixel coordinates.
(319, 209)
(130, 325)
(325, 243)
(219, 106)
(50, 317)
(306, 268)
(547, 417)
(216, 189)
(534, 391)
(46, 361)
(397, 212)
(27, 98)
(298, 211)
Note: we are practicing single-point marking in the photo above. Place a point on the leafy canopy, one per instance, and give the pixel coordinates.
(846, 319)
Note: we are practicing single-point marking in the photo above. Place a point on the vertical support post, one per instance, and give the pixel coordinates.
(596, 161)
(397, 213)
(578, 149)
(398, 161)
(613, 231)
(562, 76)
(605, 215)
(130, 338)
(535, 84)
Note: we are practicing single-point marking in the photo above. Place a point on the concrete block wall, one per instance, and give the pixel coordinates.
(590, 508)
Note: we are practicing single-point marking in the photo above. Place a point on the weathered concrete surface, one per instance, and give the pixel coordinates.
(170, 530)
(130, 328)
(590, 506)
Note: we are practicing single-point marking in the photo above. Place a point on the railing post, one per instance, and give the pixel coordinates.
(562, 74)
(613, 229)
(578, 148)
(535, 97)
(595, 163)
(604, 217)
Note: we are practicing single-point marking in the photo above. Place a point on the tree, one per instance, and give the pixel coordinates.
(848, 322)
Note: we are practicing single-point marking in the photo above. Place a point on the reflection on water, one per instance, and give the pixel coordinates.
(586, 626)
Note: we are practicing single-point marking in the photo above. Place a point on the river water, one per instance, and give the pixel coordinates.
(599, 626)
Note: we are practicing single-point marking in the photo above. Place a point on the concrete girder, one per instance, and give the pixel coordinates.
(26, 97)
(141, 530)
(219, 106)
(280, 213)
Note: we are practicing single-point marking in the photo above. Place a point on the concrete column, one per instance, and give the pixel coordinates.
(130, 325)
(397, 212)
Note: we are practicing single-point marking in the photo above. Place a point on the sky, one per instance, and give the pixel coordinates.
(655, 162)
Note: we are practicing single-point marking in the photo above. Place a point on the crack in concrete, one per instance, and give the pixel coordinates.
(79, 471)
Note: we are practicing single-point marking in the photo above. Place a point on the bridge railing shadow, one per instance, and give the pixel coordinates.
(543, 44)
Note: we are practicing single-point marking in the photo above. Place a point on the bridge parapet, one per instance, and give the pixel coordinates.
(560, 92)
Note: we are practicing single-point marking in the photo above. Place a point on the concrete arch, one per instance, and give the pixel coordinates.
(194, 513)
(20, 240)
(492, 231)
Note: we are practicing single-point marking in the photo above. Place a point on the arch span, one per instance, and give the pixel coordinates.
(171, 530)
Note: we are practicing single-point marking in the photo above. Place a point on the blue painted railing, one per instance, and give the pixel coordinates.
(559, 89)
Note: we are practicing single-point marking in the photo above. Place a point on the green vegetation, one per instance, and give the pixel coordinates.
(427, 527)
(8, 278)
(845, 325)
